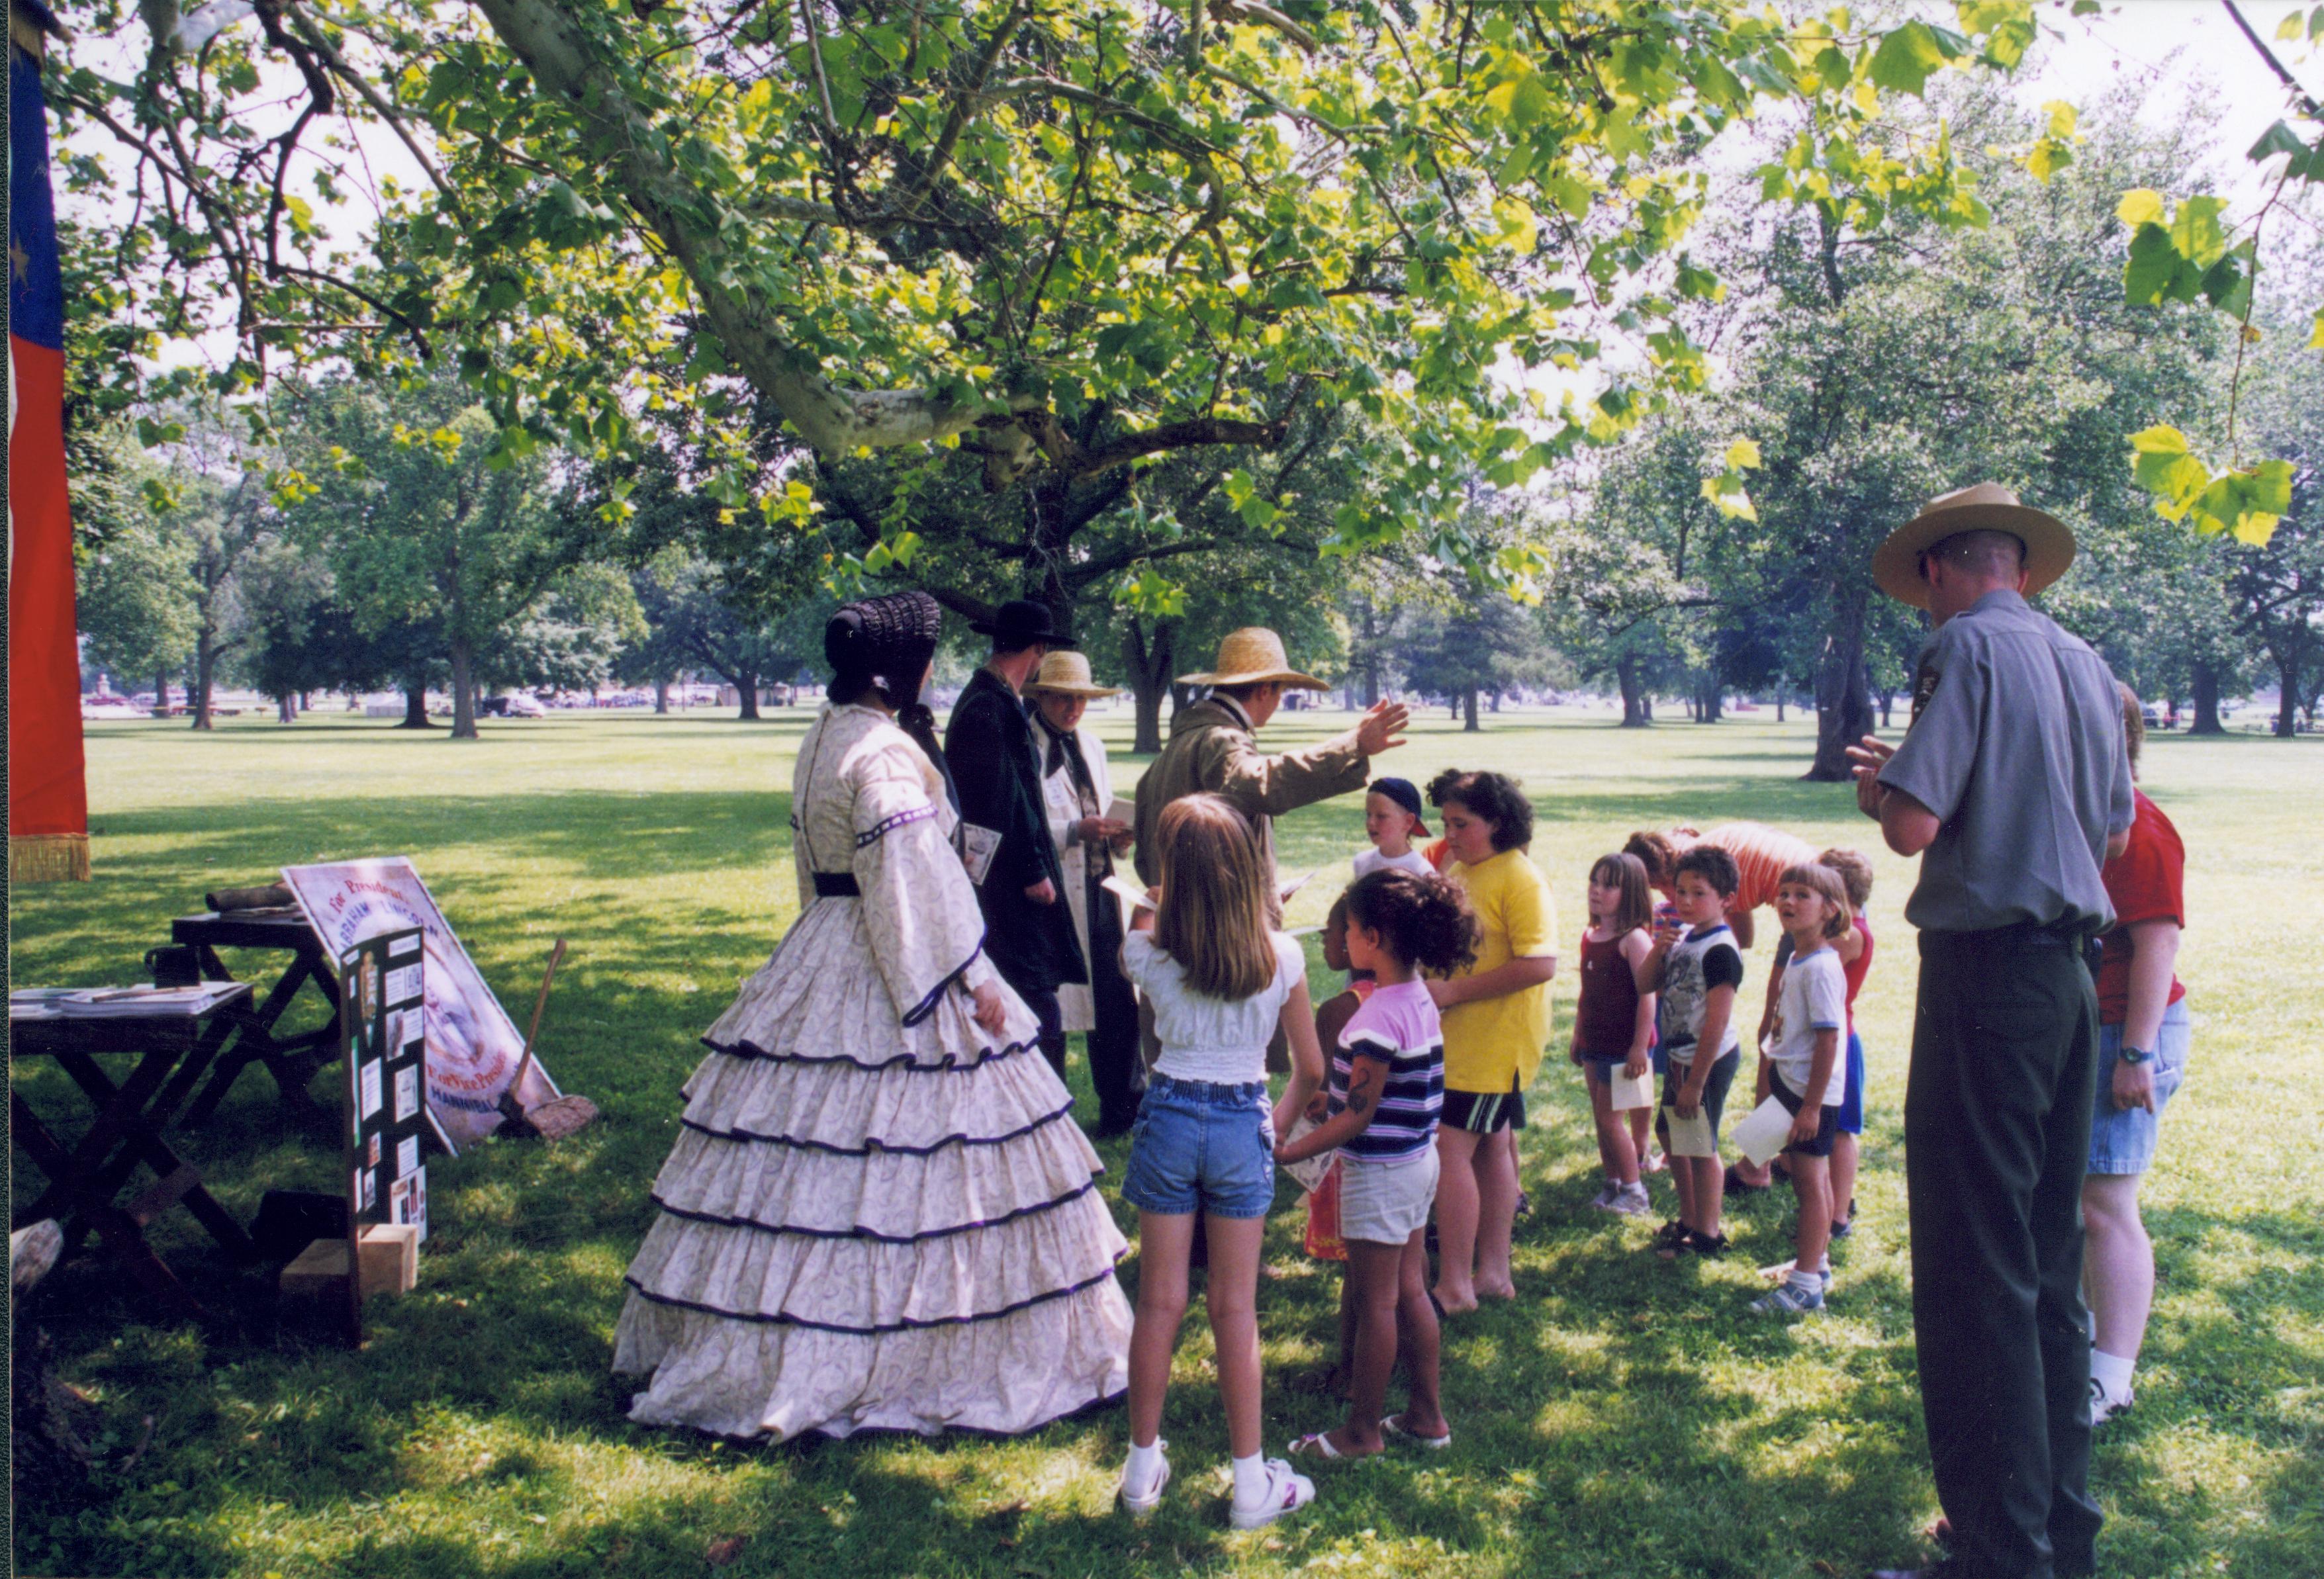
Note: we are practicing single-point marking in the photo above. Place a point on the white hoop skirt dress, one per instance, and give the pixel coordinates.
(876, 1216)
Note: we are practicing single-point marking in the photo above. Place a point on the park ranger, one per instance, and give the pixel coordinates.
(2015, 782)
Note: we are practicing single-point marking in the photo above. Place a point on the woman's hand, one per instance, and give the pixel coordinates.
(2133, 1085)
(992, 1010)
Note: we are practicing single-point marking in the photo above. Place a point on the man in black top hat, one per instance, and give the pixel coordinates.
(997, 767)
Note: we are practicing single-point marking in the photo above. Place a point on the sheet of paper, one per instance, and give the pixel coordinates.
(1128, 891)
(1309, 1173)
(1691, 1137)
(1764, 1131)
(407, 1092)
(406, 1156)
(1286, 889)
(1629, 1093)
(978, 846)
(1123, 810)
(371, 1087)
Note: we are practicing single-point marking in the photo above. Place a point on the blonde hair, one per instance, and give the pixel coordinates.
(1212, 917)
(1855, 874)
(1827, 883)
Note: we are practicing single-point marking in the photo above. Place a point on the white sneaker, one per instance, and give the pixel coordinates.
(1287, 1491)
(1631, 1200)
(1142, 1506)
(2104, 1405)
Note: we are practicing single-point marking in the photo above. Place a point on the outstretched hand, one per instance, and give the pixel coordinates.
(1382, 728)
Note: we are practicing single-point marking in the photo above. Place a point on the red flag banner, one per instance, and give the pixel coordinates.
(48, 797)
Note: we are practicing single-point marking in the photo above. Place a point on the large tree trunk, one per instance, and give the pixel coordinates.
(464, 692)
(2287, 703)
(1637, 708)
(1779, 707)
(1149, 656)
(661, 697)
(162, 692)
(415, 707)
(286, 709)
(206, 659)
(1711, 705)
(1843, 696)
(746, 686)
(1468, 709)
(2207, 702)
(1888, 708)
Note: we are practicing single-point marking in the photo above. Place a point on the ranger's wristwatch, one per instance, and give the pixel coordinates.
(2133, 1056)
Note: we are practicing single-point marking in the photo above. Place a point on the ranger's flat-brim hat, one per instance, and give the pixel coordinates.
(1253, 656)
(1067, 673)
(1985, 506)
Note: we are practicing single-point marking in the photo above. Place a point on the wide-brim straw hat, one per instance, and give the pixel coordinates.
(1067, 673)
(1986, 506)
(1253, 656)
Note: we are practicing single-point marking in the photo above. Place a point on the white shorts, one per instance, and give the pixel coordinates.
(1386, 1203)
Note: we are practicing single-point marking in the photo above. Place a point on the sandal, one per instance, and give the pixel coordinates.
(1140, 1507)
(1288, 1491)
(1393, 1426)
(1710, 1246)
(1317, 1445)
(1671, 1234)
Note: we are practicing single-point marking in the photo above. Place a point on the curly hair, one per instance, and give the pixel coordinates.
(1713, 865)
(1492, 798)
(1855, 871)
(1424, 921)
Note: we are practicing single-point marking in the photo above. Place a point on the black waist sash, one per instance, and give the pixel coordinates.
(836, 886)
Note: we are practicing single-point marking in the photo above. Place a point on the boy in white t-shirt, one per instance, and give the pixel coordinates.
(1800, 1068)
(1392, 821)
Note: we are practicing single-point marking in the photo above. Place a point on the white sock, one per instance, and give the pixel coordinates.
(2112, 1371)
(1145, 1467)
(1251, 1480)
(1806, 1282)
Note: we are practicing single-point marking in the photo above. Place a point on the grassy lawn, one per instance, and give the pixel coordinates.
(1623, 1417)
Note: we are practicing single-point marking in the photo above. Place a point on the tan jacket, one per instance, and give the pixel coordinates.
(1210, 750)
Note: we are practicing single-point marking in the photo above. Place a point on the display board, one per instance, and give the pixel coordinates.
(474, 1048)
(383, 1050)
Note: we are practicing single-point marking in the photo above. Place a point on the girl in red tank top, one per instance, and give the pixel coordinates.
(1614, 1027)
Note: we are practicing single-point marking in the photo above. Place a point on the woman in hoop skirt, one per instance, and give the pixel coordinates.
(880, 1213)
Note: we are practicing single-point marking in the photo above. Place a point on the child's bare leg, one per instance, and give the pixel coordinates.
(1162, 1246)
(1418, 1338)
(1616, 1153)
(1456, 1220)
(1374, 1279)
(1233, 1298)
(1641, 1118)
(1812, 1184)
(1844, 1155)
(1346, 1368)
(1497, 1214)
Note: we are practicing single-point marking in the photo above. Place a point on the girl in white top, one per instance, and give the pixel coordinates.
(1392, 821)
(1220, 982)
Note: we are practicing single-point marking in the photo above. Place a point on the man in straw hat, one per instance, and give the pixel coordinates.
(996, 765)
(1079, 789)
(1211, 749)
(2014, 785)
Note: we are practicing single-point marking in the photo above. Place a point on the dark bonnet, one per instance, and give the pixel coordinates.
(889, 638)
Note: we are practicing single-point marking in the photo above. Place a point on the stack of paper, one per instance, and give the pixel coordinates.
(115, 1003)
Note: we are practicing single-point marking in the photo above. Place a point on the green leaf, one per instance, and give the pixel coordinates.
(2316, 339)
(2196, 230)
(1743, 455)
(2277, 139)
(1905, 59)
(2288, 29)
(2049, 156)
(2155, 272)
(2062, 117)
(2141, 206)
(2159, 440)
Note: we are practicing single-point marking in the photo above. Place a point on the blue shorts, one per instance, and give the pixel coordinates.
(2122, 1139)
(1851, 1105)
(1201, 1147)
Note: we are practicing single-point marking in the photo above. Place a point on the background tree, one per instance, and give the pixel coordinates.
(135, 597)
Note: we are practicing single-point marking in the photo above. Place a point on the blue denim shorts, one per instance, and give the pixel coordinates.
(2122, 1140)
(1851, 1105)
(1201, 1147)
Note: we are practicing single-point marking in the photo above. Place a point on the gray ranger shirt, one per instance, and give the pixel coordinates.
(2016, 745)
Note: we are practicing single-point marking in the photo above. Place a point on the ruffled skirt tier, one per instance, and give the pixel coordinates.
(869, 1226)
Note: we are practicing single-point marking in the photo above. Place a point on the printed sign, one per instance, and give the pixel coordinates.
(473, 1048)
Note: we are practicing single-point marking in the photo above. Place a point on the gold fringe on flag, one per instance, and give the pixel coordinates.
(48, 858)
